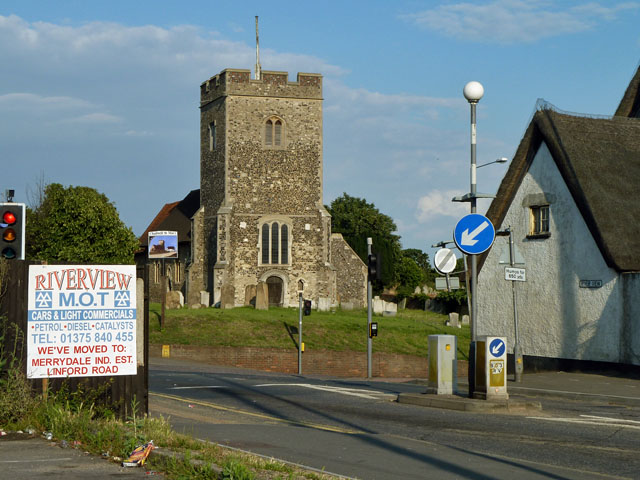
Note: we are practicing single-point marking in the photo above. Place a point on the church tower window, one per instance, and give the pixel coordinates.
(274, 243)
(274, 132)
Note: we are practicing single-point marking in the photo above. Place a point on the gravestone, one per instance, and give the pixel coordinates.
(227, 296)
(204, 298)
(250, 295)
(346, 305)
(262, 296)
(324, 304)
(454, 320)
(175, 299)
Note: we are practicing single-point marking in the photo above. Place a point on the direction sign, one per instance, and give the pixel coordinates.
(474, 234)
(497, 347)
(444, 260)
(515, 274)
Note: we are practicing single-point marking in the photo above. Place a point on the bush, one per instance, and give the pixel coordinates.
(454, 300)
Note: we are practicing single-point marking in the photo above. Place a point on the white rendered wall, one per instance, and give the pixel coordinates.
(556, 317)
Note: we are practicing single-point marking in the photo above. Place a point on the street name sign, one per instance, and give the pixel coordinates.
(474, 234)
(515, 274)
(445, 260)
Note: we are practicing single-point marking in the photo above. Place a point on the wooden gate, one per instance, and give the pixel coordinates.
(121, 393)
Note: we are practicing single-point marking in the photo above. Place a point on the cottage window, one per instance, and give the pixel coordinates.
(274, 132)
(274, 243)
(539, 220)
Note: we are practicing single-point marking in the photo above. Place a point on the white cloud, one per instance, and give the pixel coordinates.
(29, 101)
(514, 21)
(437, 204)
(95, 118)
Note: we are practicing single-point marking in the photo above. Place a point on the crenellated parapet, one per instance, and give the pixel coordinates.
(271, 84)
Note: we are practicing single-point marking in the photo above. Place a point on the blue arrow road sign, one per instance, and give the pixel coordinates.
(474, 234)
(496, 347)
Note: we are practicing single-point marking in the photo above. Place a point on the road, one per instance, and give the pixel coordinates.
(354, 429)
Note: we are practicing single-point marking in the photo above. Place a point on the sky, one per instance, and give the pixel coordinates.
(105, 94)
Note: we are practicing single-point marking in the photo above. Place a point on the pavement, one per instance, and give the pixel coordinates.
(24, 456)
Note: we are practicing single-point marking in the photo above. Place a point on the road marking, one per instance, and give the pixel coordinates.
(198, 386)
(615, 420)
(594, 420)
(223, 408)
(65, 459)
(353, 392)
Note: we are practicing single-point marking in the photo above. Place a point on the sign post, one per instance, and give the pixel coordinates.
(473, 235)
(445, 262)
(163, 244)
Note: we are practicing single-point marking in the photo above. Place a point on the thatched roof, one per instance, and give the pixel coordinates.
(630, 103)
(599, 160)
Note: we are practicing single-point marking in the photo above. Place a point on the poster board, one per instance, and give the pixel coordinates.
(81, 321)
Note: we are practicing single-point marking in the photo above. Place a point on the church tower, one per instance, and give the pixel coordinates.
(262, 213)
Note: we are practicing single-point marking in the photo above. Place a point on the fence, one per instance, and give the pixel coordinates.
(122, 393)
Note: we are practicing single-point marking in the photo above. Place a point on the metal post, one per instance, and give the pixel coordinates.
(369, 345)
(474, 260)
(164, 296)
(300, 336)
(517, 353)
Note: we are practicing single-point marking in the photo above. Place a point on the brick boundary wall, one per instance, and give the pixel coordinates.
(336, 364)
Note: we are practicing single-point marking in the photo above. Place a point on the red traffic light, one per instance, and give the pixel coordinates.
(8, 217)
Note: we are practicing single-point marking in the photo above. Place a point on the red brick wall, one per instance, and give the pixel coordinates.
(336, 364)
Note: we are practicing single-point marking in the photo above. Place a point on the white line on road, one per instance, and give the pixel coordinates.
(609, 419)
(354, 392)
(593, 420)
(198, 386)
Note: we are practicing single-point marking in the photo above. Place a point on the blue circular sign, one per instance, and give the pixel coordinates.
(474, 234)
(497, 347)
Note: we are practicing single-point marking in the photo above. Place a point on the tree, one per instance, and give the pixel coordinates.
(421, 259)
(78, 224)
(410, 275)
(356, 219)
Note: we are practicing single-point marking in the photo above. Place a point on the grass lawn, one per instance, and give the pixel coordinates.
(341, 330)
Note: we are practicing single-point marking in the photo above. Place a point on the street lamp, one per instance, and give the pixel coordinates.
(497, 160)
(473, 92)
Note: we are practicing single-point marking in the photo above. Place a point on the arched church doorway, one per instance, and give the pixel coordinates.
(274, 286)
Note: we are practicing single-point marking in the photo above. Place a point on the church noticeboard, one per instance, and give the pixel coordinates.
(163, 244)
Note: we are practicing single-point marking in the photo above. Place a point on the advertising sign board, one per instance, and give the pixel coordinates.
(81, 321)
(163, 244)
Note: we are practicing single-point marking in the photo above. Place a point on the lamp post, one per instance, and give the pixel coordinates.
(473, 92)
(497, 160)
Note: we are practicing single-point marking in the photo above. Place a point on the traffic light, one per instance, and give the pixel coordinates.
(12, 223)
(374, 266)
(306, 309)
